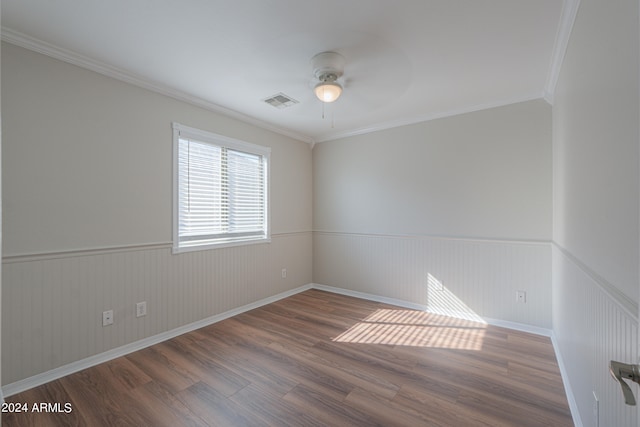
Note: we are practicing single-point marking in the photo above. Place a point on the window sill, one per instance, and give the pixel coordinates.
(176, 250)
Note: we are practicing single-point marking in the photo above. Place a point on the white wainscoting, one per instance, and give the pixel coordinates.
(52, 304)
(593, 324)
(469, 278)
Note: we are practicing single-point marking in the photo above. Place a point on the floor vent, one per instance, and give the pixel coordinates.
(280, 100)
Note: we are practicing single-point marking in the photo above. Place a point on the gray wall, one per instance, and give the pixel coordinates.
(596, 143)
(87, 192)
(88, 159)
(485, 174)
(465, 199)
(596, 196)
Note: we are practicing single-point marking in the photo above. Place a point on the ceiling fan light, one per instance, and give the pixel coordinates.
(328, 91)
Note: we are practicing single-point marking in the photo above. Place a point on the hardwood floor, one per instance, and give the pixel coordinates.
(315, 359)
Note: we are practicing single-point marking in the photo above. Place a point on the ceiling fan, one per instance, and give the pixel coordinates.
(352, 68)
(328, 67)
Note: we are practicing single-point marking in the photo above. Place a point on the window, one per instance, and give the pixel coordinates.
(220, 193)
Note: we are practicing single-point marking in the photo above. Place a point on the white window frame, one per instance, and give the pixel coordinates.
(186, 132)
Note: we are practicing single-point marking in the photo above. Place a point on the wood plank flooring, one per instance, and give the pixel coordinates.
(318, 359)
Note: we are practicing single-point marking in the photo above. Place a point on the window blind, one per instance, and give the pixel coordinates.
(221, 194)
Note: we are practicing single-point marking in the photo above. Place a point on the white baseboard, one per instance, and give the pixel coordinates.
(573, 405)
(536, 330)
(54, 374)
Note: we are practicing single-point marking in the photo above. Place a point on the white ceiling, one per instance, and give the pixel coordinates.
(406, 60)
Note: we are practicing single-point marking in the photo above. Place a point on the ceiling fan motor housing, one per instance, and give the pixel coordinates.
(328, 66)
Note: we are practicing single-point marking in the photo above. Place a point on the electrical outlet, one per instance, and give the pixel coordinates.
(141, 309)
(596, 410)
(284, 273)
(107, 318)
(521, 297)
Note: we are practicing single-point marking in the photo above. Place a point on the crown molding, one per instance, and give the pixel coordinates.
(569, 11)
(567, 19)
(427, 117)
(19, 39)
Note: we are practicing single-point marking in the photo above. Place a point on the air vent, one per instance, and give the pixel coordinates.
(280, 100)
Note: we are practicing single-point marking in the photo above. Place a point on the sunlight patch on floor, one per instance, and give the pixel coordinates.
(415, 329)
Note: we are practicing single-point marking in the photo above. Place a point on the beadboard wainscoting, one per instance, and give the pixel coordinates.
(53, 303)
(468, 278)
(593, 323)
